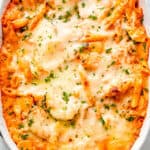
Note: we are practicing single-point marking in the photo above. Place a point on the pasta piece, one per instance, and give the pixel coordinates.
(87, 89)
(38, 17)
(94, 38)
(91, 61)
(22, 105)
(96, 47)
(29, 4)
(136, 93)
(9, 91)
(19, 23)
(115, 14)
(137, 34)
(74, 73)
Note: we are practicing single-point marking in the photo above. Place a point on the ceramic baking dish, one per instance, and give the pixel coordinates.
(145, 4)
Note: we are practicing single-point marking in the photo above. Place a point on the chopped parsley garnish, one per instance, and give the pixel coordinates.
(108, 50)
(50, 76)
(76, 9)
(83, 102)
(30, 122)
(102, 121)
(22, 50)
(94, 109)
(48, 110)
(63, 1)
(102, 100)
(33, 83)
(98, 28)
(66, 17)
(49, 36)
(26, 36)
(78, 83)
(72, 124)
(144, 90)
(112, 63)
(92, 17)
(131, 118)
(110, 12)
(101, 8)
(126, 71)
(10, 113)
(24, 136)
(28, 17)
(83, 4)
(106, 106)
(20, 126)
(113, 105)
(66, 67)
(66, 96)
(82, 47)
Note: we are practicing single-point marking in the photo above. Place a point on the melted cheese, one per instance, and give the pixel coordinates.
(81, 88)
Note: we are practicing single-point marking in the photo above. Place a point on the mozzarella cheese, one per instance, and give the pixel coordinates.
(83, 72)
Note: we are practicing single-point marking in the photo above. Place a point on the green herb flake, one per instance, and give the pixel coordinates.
(108, 50)
(33, 83)
(106, 106)
(126, 71)
(50, 76)
(111, 64)
(92, 17)
(102, 8)
(113, 105)
(10, 113)
(48, 110)
(26, 36)
(24, 136)
(102, 121)
(30, 122)
(82, 47)
(130, 119)
(110, 12)
(144, 90)
(83, 102)
(63, 1)
(78, 83)
(20, 126)
(83, 4)
(102, 100)
(72, 124)
(66, 96)
(65, 17)
(49, 36)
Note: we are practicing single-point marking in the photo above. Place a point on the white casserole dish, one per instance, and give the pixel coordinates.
(145, 4)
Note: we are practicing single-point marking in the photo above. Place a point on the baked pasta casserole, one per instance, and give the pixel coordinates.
(74, 73)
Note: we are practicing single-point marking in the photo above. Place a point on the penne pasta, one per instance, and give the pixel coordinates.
(19, 23)
(74, 74)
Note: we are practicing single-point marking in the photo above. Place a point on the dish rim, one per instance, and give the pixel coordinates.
(146, 125)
